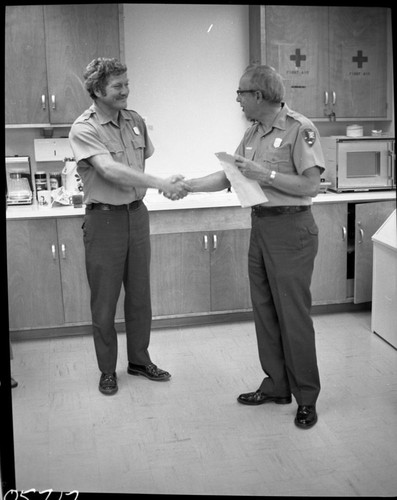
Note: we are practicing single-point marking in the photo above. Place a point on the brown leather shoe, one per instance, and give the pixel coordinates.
(150, 371)
(306, 416)
(259, 398)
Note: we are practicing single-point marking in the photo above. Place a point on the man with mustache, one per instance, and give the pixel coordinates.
(111, 144)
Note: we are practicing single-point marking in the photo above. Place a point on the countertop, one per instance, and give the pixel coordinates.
(157, 202)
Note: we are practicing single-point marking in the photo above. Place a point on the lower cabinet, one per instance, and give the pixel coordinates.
(343, 266)
(193, 273)
(34, 278)
(368, 219)
(329, 274)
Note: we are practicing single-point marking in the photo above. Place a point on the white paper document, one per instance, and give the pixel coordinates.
(247, 190)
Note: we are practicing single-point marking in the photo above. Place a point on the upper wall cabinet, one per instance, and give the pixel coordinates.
(47, 48)
(333, 59)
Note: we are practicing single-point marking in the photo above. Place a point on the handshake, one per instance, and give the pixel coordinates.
(175, 187)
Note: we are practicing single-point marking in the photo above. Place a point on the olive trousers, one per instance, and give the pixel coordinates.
(281, 259)
(117, 252)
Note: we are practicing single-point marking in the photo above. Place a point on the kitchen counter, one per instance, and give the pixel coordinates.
(156, 202)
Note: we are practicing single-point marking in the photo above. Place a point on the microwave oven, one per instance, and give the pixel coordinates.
(359, 164)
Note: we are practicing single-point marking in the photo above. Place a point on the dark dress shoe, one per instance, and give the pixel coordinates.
(150, 371)
(259, 397)
(108, 383)
(306, 416)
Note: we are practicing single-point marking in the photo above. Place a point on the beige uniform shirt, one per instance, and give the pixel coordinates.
(127, 141)
(290, 146)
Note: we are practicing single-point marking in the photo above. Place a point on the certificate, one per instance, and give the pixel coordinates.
(248, 191)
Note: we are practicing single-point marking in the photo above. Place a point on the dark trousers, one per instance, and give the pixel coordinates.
(117, 251)
(281, 258)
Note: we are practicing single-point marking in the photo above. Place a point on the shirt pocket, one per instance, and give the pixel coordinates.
(249, 153)
(138, 142)
(279, 159)
(138, 150)
(116, 150)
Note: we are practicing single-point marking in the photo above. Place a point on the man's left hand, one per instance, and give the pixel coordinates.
(250, 169)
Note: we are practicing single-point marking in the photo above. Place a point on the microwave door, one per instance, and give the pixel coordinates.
(364, 165)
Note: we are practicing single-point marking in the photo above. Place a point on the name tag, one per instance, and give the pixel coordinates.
(136, 130)
(277, 142)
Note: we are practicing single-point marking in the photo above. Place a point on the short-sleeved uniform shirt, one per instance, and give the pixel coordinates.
(128, 142)
(290, 146)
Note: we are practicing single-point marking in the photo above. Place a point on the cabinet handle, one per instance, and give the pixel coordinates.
(325, 97)
(344, 233)
(53, 252)
(53, 102)
(43, 104)
(391, 160)
(333, 97)
(361, 238)
(205, 242)
(63, 250)
(215, 241)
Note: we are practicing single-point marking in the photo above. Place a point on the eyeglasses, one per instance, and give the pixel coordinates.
(239, 92)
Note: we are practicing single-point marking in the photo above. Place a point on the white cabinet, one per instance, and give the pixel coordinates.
(384, 289)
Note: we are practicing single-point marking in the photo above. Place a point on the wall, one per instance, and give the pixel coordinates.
(185, 62)
(183, 77)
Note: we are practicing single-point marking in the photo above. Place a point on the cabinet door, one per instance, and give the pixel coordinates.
(75, 289)
(25, 65)
(180, 273)
(329, 281)
(369, 218)
(34, 283)
(229, 270)
(75, 35)
(297, 47)
(357, 61)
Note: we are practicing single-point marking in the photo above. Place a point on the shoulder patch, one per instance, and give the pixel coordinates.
(309, 136)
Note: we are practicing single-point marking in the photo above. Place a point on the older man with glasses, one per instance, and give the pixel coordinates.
(281, 150)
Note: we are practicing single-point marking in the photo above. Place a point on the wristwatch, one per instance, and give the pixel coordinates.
(272, 177)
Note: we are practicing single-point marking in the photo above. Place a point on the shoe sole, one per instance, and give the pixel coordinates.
(278, 401)
(108, 393)
(306, 426)
(137, 373)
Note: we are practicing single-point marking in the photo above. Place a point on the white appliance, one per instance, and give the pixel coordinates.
(359, 164)
(19, 180)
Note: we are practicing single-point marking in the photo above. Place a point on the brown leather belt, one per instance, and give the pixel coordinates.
(107, 206)
(262, 211)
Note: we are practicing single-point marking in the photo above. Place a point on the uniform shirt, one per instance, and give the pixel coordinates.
(290, 146)
(127, 141)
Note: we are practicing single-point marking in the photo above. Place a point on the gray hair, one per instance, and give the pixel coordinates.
(267, 80)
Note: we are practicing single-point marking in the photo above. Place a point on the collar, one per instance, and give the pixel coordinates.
(104, 119)
(279, 121)
(281, 118)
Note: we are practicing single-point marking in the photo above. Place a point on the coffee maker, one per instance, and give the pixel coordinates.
(19, 180)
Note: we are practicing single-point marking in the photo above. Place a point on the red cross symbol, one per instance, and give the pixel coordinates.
(297, 57)
(360, 59)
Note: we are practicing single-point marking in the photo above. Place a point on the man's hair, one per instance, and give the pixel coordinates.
(267, 80)
(99, 70)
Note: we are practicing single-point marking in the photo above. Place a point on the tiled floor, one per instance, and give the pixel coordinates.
(189, 435)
